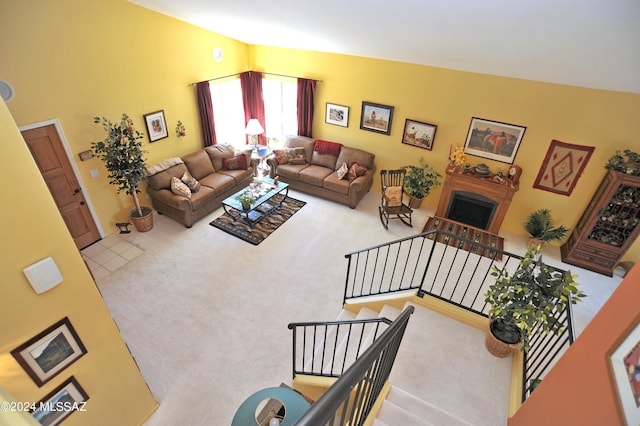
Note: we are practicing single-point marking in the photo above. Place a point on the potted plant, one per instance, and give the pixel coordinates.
(629, 165)
(533, 296)
(540, 227)
(121, 151)
(418, 182)
(246, 198)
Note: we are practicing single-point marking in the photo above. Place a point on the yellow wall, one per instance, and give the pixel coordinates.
(449, 99)
(111, 56)
(33, 230)
(76, 59)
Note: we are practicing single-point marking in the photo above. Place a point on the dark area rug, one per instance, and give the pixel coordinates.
(465, 231)
(262, 229)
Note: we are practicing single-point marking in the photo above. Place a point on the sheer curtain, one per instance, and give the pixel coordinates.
(306, 90)
(206, 113)
(253, 101)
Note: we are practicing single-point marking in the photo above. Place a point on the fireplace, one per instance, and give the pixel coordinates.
(473, 209)
(478, 201)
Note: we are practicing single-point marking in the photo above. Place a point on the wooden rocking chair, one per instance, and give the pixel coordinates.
(392, 203)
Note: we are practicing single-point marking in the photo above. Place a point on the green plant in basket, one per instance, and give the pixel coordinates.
(123, 156)
(420, 179)
(535, 294)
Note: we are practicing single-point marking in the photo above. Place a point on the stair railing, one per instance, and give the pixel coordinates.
(350, 399)
(450, 273)
(328, 348)
(427, 264)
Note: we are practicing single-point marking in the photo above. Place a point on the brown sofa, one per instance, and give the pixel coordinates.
(217, 172)
(316, 167)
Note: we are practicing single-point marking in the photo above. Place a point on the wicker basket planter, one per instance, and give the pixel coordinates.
(142, 223)
(497, 347)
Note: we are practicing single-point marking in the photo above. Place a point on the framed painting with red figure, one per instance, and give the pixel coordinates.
(493, 140)
(562, 167)
(376, 118)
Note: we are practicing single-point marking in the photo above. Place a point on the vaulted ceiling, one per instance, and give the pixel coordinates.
(586, 43)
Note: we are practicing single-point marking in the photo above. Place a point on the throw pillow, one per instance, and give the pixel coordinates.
(237, 162)
(342, 171)
(178, 187)
(356, 170)
(282, 156)
(191, 182)
(297, 159)
(393, 196)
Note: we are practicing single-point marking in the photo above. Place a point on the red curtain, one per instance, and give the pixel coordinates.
(206, 113)
(251, 83)
(306, 90)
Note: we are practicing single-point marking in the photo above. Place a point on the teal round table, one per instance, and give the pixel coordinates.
(294, 405)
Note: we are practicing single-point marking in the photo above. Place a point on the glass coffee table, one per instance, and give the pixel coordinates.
(264, 189)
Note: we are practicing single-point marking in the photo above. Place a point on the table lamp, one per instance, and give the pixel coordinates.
(253, 129)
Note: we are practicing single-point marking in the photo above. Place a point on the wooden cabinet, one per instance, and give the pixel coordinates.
(608, 226)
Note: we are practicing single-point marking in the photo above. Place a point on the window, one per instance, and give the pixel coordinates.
(280, 110)
(228, 112)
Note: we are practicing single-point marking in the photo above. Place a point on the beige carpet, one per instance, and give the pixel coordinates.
(205, 314)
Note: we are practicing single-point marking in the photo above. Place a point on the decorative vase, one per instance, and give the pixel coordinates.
(142, 223)
(246, 206)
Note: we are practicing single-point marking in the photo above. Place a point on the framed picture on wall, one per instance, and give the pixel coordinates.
(493, 140)
(156, 125)
(376, 118)
(50, 352)
(337, 114)
(61, 403)
(419, 134)
(624, 363)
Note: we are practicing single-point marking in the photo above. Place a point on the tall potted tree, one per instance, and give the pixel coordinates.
(121, 151)
(418, 182)
(534, 295)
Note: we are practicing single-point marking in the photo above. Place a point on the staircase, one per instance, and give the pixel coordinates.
(432, 382)
(403, 408)
(434, 350)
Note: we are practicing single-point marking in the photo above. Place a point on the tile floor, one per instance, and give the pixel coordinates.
(109, 254)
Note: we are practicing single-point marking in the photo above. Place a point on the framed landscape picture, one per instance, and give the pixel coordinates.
(51, 351)
(61, 403)
(337, 114)
(493, 140)
(156, 125)
(419, 134)
(624, 362)
(376, 118)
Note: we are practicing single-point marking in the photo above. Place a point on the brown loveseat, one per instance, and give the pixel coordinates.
(327, 169)
(209, 175)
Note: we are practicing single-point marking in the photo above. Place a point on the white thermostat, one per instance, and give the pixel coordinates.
(43, 275)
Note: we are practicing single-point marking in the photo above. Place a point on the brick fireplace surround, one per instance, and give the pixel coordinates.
(489, 190)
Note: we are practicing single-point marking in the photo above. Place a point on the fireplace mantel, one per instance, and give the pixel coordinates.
(497, 190)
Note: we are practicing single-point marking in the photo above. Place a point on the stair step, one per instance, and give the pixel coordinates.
(389, 312)
(422, 408)
(349, 344)
(366, 313)
(313, 364)
(392, 414)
